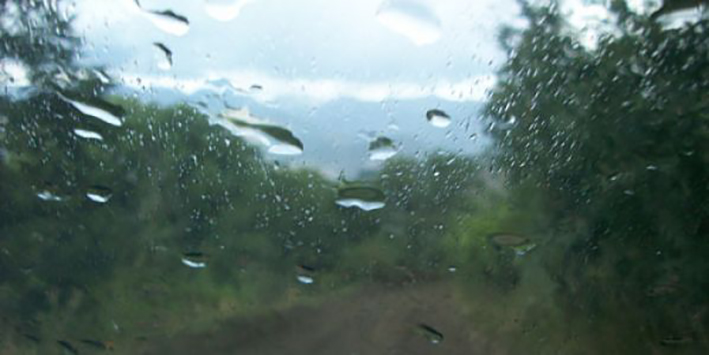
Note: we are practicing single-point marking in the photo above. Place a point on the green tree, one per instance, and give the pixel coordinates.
(616, 138)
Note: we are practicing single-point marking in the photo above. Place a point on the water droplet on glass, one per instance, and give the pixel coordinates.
(382, 148)
(49, 196)
(438, 118)
(277, 139)
(169, 22)
(307, 280)
(99, 194)
(96, 112)
(224, 10)
(101, 76)
(430, 333)
(411, 19)
(165, 62)
(519, 244)
(195, 260)
(285, 149)
(362, 197)
(88, 134)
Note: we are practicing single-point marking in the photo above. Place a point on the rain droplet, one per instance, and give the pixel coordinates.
(101, 76)
(430, 333)
(307, 280)
(225, 10)
(169, 22)
(99, 194)
(362, 197)
(304, 274)
(95, 112)
(88, 134)
(519, 244)
(411, 19)
(165, 62)
(382, 148)
(49, 196)
(279, 140)
(195, 260)
(285, 149)
(438, 118)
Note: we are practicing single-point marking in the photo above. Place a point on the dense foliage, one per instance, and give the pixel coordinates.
(616, 139)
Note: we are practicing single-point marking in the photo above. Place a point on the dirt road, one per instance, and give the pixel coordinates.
(375, 320)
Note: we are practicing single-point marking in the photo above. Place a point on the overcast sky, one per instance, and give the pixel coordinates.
(316, 48)
(287, 59)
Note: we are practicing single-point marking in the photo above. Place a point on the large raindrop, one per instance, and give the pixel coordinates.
(194, 260)
(87, 134)
(167, 21)
(95, 111)
(277, 140)
(165, 60)
(363, 197)
(438, 118)
(99, 194)
(382, 148)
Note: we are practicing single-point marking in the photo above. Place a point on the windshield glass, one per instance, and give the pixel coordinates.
(354, 177)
